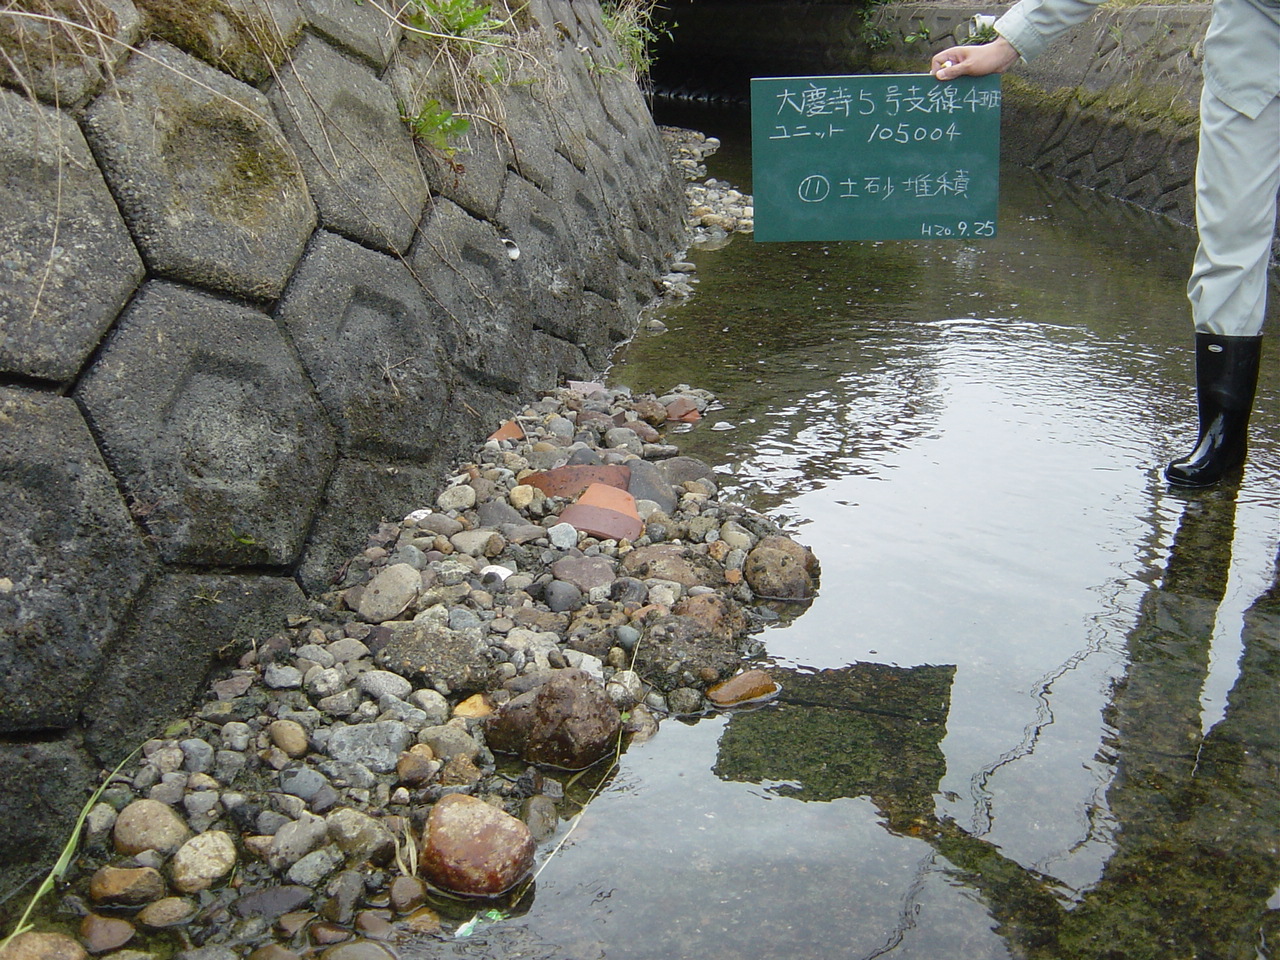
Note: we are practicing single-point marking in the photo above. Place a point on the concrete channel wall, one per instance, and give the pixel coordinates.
(1112, 106)
(244, 316)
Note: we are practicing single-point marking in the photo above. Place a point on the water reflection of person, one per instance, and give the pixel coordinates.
(1197, 853)
(1237, 180)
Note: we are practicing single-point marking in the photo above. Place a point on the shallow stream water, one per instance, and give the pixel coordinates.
(1034, 710)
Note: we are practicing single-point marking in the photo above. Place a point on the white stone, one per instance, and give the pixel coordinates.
(202, 861)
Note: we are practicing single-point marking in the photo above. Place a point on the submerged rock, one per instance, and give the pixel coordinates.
(473, 849)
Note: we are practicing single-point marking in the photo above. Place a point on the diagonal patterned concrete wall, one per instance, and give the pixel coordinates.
(244, 315)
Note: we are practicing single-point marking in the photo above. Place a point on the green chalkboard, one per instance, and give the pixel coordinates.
(887, 157)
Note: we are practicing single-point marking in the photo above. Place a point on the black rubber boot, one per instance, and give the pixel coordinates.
(1226, 379)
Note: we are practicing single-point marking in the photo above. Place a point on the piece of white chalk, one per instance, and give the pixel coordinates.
(946, 63)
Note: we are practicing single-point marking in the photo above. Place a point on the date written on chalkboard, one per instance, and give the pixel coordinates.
(875, 157)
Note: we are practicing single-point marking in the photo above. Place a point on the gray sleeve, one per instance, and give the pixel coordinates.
(1031, 25)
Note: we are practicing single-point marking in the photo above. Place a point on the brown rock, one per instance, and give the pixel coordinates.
(407, 894)
(459, 770)
(103, 934)
(149, 825)
(716, 616)
(670, 561)
(169, 912)
(358, 950)
(417, 766)
(127, 886)
(290, 737)
(584, 572)
(473, 849)
(288, 924)
(575, 723)
(273, 951)
(422, 922)
(650, 411)
(477, 705)
(43, 946)
(745, 687)
(324, 933)
(780, 569)
(375, 924)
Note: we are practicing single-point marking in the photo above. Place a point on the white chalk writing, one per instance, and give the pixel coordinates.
(816, 188)
(814, 100)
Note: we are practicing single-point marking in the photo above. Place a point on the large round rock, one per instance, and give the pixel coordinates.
(474, 849)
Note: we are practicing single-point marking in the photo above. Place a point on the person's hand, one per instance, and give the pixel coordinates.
(974, 61)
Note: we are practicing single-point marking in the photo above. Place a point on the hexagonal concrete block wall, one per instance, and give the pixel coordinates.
(357, 152)
(247, 38)
(185, 624)
(210, 189)
(468, 271)
(370, 340)
(211, 425)
(71, 560)
(64, 63)
(67, 263)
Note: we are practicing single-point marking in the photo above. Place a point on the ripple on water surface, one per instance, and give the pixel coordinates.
(1032, 710)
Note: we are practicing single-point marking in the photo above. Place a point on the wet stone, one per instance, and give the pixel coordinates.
(126, 885)
(202, 861)
(103, 934)
(471, 848)
(748, 686)
(34, 945)
(168, 912)
(272, 902)
(149, 825)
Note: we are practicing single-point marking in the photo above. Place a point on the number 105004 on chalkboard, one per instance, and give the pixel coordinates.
(883, 157)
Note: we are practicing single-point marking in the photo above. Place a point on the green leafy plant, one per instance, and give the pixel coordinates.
(457, 21)
(921, 34)
(437, 126)
(636, 28)
(984, 33)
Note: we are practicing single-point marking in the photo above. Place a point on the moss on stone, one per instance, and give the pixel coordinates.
(57, 35)
(242, 38)
(1137, 105)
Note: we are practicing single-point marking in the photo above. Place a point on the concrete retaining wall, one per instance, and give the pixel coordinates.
(243, 315)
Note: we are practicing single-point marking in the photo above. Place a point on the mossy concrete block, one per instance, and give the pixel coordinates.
(549, 271)
(472, 177)
(209, 421)
(370, 340)
(65, 61)
(358, 490)
(366, 29)
(248, 39)
(67, 263)
(208, 184)
(581, 203)
(531, 134)
(183, 625)
(357, 152)
(469, 272)
(43, 785)
(73, 560)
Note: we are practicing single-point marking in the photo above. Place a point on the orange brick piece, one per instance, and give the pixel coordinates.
(570, 481)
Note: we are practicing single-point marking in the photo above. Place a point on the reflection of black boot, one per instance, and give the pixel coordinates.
(1226, 378)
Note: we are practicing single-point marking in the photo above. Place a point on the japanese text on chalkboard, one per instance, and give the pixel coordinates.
(875, 157)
